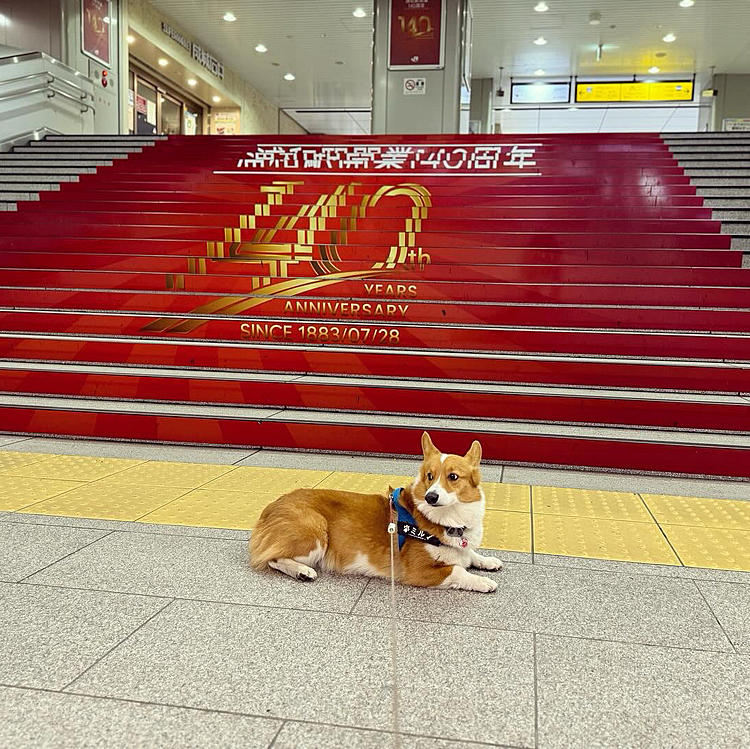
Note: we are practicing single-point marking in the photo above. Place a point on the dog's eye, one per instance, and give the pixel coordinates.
(429, 476)
(453, 476)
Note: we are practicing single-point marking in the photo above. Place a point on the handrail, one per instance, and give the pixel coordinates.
(51, 92)
(13, 59)
(52, 78)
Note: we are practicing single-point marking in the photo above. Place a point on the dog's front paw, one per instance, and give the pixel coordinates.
(483, 584)
(490, 564)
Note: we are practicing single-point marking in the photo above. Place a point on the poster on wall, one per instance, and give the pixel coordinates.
(225, 123)
(415, 34)
(95, 25)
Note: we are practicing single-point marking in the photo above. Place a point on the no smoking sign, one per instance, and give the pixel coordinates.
(414, 86)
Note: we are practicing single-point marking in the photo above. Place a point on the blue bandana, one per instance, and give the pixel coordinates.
(406, 524)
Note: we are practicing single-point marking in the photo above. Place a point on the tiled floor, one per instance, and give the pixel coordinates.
(155, 632)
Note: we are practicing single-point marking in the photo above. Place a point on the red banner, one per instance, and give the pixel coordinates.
(416, 31)
(95, 29)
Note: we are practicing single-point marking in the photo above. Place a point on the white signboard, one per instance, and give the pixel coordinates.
(540, 92)
(736, 124)
(415, 86)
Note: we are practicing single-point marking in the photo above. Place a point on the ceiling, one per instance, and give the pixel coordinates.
(329, 50)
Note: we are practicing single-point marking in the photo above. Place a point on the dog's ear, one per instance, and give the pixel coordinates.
(427, 447)
(474, 456)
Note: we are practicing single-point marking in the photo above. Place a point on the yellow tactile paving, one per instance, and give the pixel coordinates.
(9, 460)
(516, 497)
(73, 468)
(708, 513)
(17, 492)
(213, 509)
(601, 539)
(365, 483)
(586, 503)
(100, 500)
(510, 531)
(181, 475)
(276, 481)
(717, 548)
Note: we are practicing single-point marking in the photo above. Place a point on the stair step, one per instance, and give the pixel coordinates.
(33, 162)
(28, 186)
(53, 170)
(8, 206)
(724, 192)
(90, 151)
(145, 139)
(734, 214)
(11, 196)
(728, 204)
(510, 442)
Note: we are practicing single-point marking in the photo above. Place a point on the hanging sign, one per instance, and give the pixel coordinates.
(635, 91)
(416, 34)
(95, 30)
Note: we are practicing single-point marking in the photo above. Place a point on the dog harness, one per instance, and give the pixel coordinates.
(407, 526)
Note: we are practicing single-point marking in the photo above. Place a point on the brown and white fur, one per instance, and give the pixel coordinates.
(347, 532)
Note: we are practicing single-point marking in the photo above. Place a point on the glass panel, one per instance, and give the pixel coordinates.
(193, 120)
(171, 112)
(145, 109)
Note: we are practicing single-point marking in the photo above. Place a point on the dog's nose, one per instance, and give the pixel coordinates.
(431, 498)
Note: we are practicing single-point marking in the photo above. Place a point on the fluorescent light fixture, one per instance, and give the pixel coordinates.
(653, 70)
(163, 62)
(670, 37)
(540, 40)
(289, 77)
(541, 7)
(359, 13)
(687, 3)
(192, 82)
(229, 16)
(261, 48)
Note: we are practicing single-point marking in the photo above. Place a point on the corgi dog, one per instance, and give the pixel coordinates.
(438, 519)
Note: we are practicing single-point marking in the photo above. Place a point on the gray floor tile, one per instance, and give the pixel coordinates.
(325, 668)
(311, 736)
(627, 483)
(202, 568)
(131, 450)
(25, 549)
(731, 604)
(65, 721)
(570, 602)
(11, 439)
(127, 526)
(637, 568)
(598, 694)
(50, 635)
(355, 463)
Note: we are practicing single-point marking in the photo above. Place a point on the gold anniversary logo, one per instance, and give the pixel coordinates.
(336, 213)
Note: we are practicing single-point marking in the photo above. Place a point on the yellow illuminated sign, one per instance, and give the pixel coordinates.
(643, 91)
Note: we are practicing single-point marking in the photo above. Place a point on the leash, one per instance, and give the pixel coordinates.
(392, 527)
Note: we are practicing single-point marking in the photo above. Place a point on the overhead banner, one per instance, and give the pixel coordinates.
(635, 91)
(416, 34)
(540, 92)
(95, 30)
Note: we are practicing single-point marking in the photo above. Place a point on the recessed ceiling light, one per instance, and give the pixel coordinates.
(540, 40)
(339, 62)
(653, 70)
(539, 71)
(163, 62)
(192, 82)
(229, 16)
(216, 99)
(669, 38)
(595, 18)
(660, 54)
(261, 48)
(289, 77)
(130, 38)
(541, 7)
(687, 3)
(359, 13)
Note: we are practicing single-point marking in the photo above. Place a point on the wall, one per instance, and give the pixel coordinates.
(732, 99)
(31, 25)
(258, 115)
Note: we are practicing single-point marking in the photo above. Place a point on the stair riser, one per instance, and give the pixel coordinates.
(388, 334)
(510, 407)
(508, 448)
(454, 366)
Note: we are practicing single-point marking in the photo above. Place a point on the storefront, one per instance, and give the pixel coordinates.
(158, 108)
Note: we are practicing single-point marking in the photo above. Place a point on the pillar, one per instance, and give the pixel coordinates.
(732, 100)
(421, 60)
(480, 110)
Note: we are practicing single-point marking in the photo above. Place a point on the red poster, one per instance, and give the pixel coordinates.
(95, 29)
(416, 31)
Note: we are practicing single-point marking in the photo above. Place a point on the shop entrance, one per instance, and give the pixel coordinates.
(158, 109)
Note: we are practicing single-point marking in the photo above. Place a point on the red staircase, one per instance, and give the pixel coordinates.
(568, 299)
